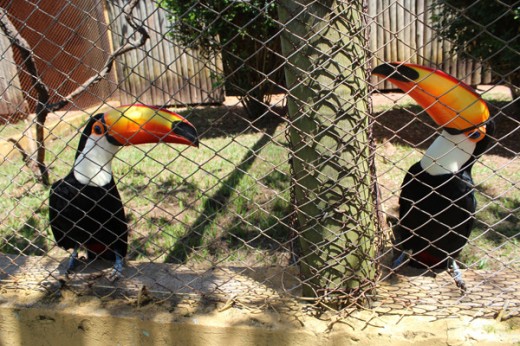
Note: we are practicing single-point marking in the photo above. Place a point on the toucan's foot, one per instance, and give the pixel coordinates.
(403, 257)
(456, 274)
(73, 261)
(117, 271)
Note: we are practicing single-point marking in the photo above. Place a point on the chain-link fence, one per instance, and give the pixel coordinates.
(314, 178)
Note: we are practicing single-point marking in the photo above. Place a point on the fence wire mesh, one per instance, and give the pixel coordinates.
(294, 191)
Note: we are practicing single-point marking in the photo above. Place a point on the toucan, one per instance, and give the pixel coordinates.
(437, 202)
(85, 208)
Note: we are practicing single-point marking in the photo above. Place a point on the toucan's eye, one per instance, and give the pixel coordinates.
(98, 128)
(474, 135)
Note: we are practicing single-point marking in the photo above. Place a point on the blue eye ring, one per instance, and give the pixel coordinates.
(474, 135)
(98, 128)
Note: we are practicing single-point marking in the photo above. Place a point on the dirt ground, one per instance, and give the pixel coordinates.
(152, 305)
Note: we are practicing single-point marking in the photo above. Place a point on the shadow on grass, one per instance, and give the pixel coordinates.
(27, 240)
(218, 202)
(267, 231)
(152, 244)
(499, 220)
(226, 121)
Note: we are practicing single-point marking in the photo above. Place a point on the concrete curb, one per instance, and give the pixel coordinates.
(92, 321)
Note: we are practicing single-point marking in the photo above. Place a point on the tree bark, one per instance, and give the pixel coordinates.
(326, 72)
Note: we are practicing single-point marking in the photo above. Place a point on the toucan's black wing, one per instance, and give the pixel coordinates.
(435, 214)
(409, 219)
(60, 197)
(88, 215)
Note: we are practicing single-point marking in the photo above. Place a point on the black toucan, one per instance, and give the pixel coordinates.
(85, 209)
(437, 202)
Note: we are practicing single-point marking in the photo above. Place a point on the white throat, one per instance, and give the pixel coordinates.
(447, 154)
(94, 164)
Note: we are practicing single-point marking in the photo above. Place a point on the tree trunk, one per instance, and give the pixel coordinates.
(324, 43)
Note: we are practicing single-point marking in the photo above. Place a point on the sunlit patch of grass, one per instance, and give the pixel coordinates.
(229, 200)
(168, 192)
(185, 187)
(23, 212)
(495, 239)
(8, 130)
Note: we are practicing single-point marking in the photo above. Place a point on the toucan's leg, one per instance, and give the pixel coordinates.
(457, 275)
(73, 260)
(401, 259)
(117, 272)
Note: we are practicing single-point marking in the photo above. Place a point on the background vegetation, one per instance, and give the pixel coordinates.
(247, 36)
(486, 31)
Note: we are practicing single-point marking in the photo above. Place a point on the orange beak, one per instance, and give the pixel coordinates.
(452, 104)
(138, 124)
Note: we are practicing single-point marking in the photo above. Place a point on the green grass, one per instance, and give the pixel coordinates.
(228, 201)
(219, 203)
(8, 130)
